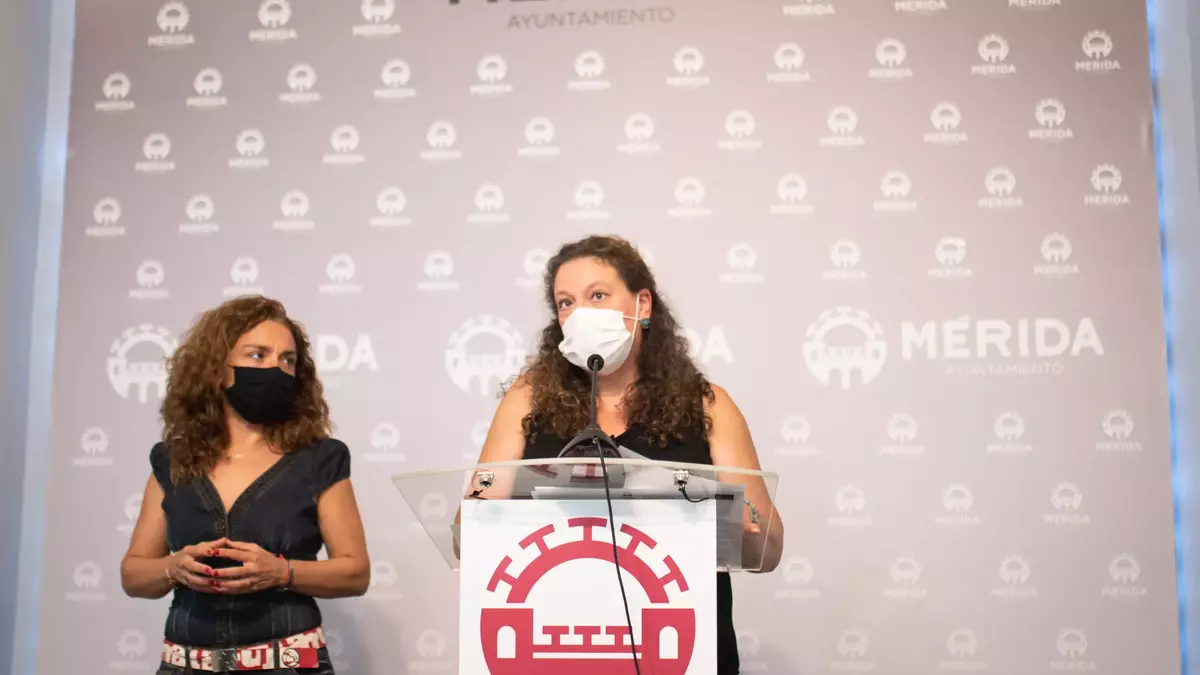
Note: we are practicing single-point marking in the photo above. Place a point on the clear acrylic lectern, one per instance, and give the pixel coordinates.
(561, 570)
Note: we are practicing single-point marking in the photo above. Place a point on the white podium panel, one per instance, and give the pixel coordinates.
(540, 595)
(543, 561)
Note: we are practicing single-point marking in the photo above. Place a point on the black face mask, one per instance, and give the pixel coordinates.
(262, 395)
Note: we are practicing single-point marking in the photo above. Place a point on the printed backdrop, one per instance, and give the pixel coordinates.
(915, 239)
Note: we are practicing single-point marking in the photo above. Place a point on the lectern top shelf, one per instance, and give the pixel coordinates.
(436, 498)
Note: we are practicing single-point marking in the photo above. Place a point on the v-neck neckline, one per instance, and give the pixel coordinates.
(254, 485)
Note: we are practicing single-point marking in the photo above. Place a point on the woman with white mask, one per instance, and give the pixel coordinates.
(652, 399)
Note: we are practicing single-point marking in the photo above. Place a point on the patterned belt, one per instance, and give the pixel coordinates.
(297, 651)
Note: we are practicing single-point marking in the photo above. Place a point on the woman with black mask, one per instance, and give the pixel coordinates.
(245, 489)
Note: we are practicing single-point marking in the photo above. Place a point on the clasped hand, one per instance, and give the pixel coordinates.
(259, 569)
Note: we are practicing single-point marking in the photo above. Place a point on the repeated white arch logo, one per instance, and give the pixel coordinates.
(200, 208)
(1056, 248)
(1106, 178)
(396, 73)
(117, 86)
(1014, 570)
(853, 644)
(1124, 569)
(391, 201)
(589, 194)
(845, 254)
(441, 135)
(294, 204)
(251, 143)
(842, 120)
(789, 57)
(589, 64)
(850, 499)
(946, 116)
(796, 429)
(895, 185)
(385, 436)
(791, 188)
(902, 428)
(890, 52)
(274, 13)
(798, 571)
(377, 11)
(1050, 112)
(492, 68)
(962, 643)
(639, 127)
(739, 124)
(345, 138)
(150, 274)
(539, 131)
(244, 271)
(951, 250)
(844, 347)
(958, 498)
(1009, 426)
(208, 82)
(302, 78)
(131, 643)
(489, 198)
(483, 351)
(1117, 424)
(741, 257)
(1097, 44)
(534, 261)
(157, 146)
(1072, 643)
(688, 61)
(94, 441)
(107, 211)
(340, 268)
(1000, 181)
(431, 644)
(129, 374)
(86, 575)
(173, 17)
(689, 191)
(993, 48)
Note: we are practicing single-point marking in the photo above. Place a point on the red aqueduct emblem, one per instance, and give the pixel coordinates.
(668, 634)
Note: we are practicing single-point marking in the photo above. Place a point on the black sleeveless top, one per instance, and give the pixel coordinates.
(692, 450)
(279, 513)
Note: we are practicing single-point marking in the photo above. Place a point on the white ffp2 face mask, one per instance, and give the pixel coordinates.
(594, 330)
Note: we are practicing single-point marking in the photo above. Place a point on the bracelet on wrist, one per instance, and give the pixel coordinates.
(291, 575)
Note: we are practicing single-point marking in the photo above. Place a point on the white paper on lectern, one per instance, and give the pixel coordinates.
(581, 590)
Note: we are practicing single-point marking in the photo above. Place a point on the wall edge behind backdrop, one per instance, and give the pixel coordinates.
(48, 48)
(1177, 58)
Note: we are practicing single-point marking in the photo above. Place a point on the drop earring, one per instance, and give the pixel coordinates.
(646, 323)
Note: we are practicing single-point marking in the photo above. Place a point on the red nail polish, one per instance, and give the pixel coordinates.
(214, 572)
(214, 552)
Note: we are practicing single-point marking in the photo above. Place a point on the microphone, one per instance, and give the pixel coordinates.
(595, 364)
(592, 438)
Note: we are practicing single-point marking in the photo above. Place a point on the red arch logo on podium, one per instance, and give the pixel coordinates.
(507, 633)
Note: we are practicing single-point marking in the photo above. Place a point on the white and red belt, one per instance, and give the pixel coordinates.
(298, 651)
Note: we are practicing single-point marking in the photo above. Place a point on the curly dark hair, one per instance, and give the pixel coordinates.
(193, 409)
(666, 401)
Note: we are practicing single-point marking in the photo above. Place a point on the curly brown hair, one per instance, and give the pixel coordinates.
(666, 401)
(193, 409)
